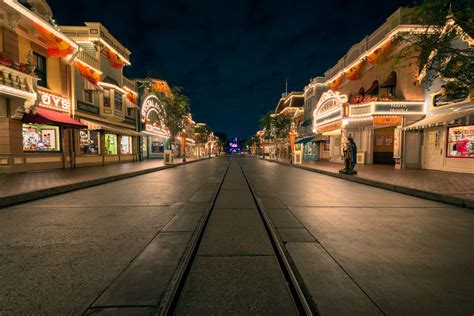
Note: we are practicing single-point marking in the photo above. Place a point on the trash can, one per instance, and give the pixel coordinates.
(168, 157)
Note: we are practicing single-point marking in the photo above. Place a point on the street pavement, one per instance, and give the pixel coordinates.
(361, 250)
(59, 254)
(450, 187)
(121, 247)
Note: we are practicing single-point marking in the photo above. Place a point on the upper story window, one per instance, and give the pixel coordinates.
(131, 112)
(40, 62)
(88, 96)
(107, 98)
(118, 101)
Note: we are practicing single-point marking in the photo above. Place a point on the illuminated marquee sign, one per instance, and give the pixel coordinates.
(387, 108)
(150, 104)
(329, 109)
(54, 102)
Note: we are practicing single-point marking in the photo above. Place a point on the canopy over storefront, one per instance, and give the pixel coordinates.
(105, 127)
(304, 140)
(45, 116)
(441, 119)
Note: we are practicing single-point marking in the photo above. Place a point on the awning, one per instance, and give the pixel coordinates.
(319, 138)
(45, 116)
(304, 140)
(93, 126)
(307, 122)
(441, 119)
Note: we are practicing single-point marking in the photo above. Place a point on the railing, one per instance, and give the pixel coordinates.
(15, 82)
(129, 83)
(88, 59)
(403, 16)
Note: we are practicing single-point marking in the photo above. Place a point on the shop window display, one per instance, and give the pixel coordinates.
(461, 142)
(157, 146)
(41, 138)
(89, 142)
(126, 145)
(111, 144)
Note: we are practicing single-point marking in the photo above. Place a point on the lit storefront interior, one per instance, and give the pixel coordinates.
(155, 136)
(446, 138)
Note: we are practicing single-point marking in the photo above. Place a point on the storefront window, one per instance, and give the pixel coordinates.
(326, 146)
(111, 144)
(157, 145)
(126, 145)
(461, 142)
(89, 142)
(44, 138)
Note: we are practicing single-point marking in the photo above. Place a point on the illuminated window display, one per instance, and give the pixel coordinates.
(126, 145)
(461, 142)
(41, 138)
(89, 142)
(157, 145)
(110, 144)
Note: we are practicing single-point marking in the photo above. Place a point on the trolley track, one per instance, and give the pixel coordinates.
(170, 303)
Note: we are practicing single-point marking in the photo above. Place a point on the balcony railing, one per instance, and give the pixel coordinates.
(128, 83)
(403, 16)
(88, 59)
(16, 83)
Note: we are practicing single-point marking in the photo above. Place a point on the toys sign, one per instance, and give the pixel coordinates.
(54, 102)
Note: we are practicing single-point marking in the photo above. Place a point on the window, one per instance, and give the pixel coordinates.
(157, 145)
(461, 142)
(44, 138)
(131, 112)
(326, 146)
(88, 96)
(111, 144)
(40, 62)
(118, 101)
(106, 98)
(89, 142)
(126, 145)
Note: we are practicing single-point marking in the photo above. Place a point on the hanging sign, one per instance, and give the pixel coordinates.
(387, 120)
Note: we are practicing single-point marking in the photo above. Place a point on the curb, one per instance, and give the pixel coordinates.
(35, 195)
(392, 187)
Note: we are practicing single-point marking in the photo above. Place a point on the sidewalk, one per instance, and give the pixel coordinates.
(448, 187)
(22, 187)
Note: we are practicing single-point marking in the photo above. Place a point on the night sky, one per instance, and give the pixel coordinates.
(231, 57)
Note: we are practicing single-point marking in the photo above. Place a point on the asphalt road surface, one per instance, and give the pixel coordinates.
(355, 249)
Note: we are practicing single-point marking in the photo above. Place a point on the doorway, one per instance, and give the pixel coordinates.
(383, 145)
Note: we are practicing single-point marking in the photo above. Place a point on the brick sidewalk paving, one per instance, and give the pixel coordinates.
(17, 184)
(448, 184)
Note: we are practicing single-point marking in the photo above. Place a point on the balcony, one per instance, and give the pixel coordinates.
(16, 83)
(88, 59)
(401, 17)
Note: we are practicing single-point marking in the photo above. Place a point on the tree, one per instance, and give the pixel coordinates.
(266, 123)
(445, 46)
(282, 125)
(173, 112)
(201, 135)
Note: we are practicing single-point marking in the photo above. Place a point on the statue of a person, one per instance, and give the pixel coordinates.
(350, 156)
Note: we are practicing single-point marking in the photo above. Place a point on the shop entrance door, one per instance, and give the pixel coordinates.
(433, 150)
(383, 145)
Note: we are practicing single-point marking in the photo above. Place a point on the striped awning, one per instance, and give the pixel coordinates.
(96, 126)
(441, 119)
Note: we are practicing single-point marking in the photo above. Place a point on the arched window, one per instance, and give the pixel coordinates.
(362, 91)
(374, 88)
(389, 85)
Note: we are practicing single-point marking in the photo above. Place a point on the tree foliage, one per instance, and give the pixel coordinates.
(444, 52)
(201, 134)
(174, 110)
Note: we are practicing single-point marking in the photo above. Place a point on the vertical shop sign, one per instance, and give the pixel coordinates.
(397, 141)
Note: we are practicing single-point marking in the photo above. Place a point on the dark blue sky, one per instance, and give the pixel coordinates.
(232, 57)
